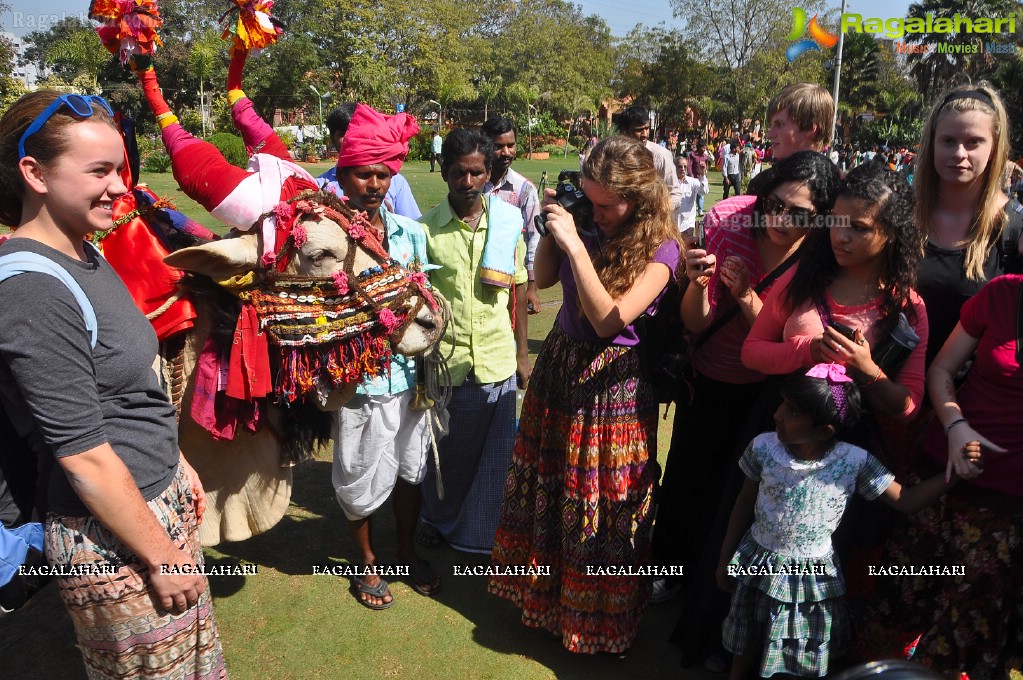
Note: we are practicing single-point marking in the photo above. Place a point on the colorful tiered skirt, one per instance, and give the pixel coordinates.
(579, 496)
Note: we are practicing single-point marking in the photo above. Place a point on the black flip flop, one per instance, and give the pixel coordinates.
(424, 580)
(428, 536)
(379, 591)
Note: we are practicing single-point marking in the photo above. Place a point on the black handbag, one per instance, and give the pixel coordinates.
(666, 348)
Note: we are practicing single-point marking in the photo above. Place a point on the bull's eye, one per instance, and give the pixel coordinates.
(320, 256)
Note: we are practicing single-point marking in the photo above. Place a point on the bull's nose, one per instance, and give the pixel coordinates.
(428, 323)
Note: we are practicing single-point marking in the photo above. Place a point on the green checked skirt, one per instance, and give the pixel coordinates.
(796, 615)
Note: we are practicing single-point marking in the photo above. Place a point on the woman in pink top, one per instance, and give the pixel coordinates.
(748, 238)
(967, 622)
(860, 276)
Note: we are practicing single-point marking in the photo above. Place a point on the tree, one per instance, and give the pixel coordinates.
(551, 46)
(71, 50)
(658, 68)
(489, 89)
(10, 87)
(861, 59)
(735, 33)
(933, 71)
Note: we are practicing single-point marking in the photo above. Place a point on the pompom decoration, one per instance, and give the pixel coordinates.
(341, 282)
(356, 231)
(284, 210)
(388, 320)
(299, 235)
(127, 27)
(255, 28)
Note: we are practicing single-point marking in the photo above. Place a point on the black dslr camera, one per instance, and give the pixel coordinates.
(570, 196)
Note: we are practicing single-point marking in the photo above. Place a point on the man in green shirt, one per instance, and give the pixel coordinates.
(477, 243)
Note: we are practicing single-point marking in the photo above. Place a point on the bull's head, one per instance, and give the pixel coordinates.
(333, 246)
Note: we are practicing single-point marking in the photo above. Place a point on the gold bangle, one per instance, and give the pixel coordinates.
(875, 379)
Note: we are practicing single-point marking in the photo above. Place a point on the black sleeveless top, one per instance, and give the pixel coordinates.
(942, 282)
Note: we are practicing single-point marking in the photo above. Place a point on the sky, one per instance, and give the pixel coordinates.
(620, 15)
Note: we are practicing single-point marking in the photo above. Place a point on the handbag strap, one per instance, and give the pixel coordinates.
(758, 289)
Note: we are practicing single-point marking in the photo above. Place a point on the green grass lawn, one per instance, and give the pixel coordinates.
(285, 623)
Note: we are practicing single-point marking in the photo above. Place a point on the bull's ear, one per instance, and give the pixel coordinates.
(218, 259)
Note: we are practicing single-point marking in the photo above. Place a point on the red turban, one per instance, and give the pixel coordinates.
(375, 138)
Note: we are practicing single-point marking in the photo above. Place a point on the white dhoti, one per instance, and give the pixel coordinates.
(377, 440)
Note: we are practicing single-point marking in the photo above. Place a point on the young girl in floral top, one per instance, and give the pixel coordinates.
(787, 606)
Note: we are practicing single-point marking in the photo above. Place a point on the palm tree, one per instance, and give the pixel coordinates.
(80, 50)
(933, 70)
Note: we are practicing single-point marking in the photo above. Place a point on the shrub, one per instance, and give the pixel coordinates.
(287, 137)
(158, 161)
(557, 149)
(232, 147)
(419, 147)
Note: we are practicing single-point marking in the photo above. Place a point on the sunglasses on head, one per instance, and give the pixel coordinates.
(800, 217)
(80, 104)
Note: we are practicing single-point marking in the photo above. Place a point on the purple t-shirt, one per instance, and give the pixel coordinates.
(574, 322)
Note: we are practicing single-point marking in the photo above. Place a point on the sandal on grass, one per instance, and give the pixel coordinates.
(380, 591)
(428, 536)
(424, 580)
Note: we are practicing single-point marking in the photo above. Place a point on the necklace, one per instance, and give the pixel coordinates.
(474, 220)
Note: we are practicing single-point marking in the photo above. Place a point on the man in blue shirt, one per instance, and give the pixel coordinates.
(399, 198)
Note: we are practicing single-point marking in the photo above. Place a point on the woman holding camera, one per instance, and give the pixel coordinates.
(750, 242)
(579, 496)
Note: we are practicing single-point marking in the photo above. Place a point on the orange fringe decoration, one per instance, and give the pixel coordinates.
(255, 28)
(127, 27)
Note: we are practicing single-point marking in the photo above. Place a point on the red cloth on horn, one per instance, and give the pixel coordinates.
(375, 138)
(136, 254)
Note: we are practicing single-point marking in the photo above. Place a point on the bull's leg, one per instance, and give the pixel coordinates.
(258, 136)
(200, 169)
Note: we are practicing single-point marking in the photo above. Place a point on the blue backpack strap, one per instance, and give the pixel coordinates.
(22, 262)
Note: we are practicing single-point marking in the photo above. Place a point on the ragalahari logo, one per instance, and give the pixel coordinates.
(819, 38)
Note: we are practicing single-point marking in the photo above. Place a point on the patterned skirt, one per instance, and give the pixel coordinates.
(972, 622)
(120, 633)
(798, 619)
(579, 495)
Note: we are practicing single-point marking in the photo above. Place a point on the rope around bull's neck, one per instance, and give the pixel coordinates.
(439, 388)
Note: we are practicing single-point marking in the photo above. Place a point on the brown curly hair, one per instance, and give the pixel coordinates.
(625, 168)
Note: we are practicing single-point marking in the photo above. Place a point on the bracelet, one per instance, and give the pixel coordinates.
(874, 379)
(948, 428)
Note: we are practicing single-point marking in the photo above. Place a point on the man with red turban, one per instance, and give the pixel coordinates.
(399, 198)
(380, 443)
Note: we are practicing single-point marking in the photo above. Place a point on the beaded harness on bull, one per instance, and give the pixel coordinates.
(328, 337)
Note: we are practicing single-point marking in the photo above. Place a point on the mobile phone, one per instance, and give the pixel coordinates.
(843, 329)
(701, 235)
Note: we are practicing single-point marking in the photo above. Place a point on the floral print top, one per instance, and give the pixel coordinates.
(800, 503)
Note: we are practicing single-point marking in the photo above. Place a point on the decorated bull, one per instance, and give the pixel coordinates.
(307, 301)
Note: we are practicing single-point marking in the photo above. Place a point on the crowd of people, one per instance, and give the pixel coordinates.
(852, 337)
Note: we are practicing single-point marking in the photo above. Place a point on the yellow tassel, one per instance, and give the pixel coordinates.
(233, 96)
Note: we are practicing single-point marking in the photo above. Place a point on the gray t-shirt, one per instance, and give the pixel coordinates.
(66, 397)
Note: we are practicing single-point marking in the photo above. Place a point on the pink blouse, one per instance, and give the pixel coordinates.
(779, 342)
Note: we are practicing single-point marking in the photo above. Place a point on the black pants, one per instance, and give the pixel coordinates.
(698, 631)
(735, 183)
(703, 451)
(434, 158)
